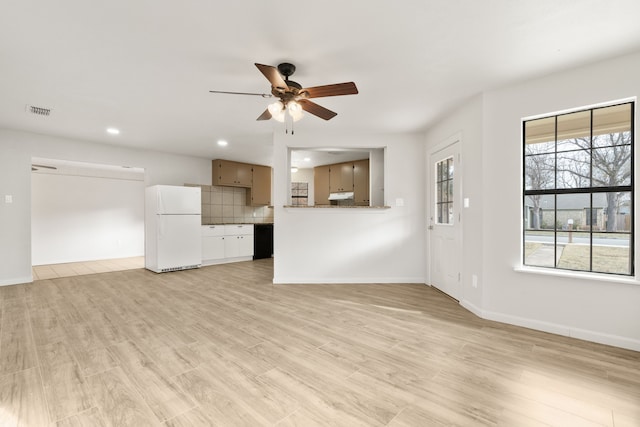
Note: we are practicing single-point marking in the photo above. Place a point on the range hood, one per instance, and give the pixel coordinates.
(345, 195)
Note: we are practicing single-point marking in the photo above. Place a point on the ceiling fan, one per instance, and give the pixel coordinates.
(293, 97)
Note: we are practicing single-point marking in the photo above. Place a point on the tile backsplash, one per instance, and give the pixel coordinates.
(226, 205)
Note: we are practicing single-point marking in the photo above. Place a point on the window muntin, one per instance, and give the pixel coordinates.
(444, 191)
(578, 190)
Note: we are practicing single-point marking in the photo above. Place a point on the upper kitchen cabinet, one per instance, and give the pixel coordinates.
(232, 174)
(341, 177)
(260, 192)
(361, 183)
(321, 187)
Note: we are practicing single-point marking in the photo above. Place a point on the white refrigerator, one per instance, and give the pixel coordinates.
(172, 228)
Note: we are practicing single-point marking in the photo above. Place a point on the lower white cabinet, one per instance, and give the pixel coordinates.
(226, 243)
(212, 242)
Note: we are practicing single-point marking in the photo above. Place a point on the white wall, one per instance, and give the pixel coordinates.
(325, 245)
(83, 218)
(17, 149)
(597, 310)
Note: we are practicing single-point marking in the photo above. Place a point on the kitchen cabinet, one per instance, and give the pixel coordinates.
(321, 185)
(227, 243)
(212, 243)
(256, 178)
(341, 177)
(260, 192)
(238, 240)
(361, 183)
(231, 174)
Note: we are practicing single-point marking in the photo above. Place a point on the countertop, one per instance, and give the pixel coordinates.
(236, 223)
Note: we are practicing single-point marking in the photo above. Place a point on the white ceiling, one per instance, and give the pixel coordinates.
(146, 67)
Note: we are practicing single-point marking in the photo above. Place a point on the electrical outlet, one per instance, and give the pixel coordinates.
(8, 198)
(474, 280)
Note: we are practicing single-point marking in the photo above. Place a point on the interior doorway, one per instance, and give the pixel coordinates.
(85, 212)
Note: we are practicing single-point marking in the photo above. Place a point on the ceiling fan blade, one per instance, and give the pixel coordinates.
(264, 95)
(316, 110)
(330, 90)
(272, 74)
(265, 116)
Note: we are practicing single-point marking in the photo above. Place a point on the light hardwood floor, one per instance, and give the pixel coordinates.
(223, 346)
(68, 269)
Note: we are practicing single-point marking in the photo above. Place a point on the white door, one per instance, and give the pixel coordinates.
(445, 245)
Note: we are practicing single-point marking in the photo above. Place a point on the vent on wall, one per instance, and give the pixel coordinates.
(38, 111)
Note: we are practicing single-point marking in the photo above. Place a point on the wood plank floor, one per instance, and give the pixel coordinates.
(223, 346)
(53, 271)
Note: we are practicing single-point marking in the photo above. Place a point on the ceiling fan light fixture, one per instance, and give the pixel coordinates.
(276, 108)
(289, 92)
(279, 116)
(294, 107)
(296, 116)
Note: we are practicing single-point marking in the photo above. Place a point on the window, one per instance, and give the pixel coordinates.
(578, 190)
(444, 191)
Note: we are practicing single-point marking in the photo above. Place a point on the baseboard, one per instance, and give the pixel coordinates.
(558, 329)
(472, 308)
(16, 281)
(210, 262)
(345, 280)
(614, 340)
(554, 328)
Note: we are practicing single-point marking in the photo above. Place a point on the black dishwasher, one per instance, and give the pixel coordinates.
(262, 241)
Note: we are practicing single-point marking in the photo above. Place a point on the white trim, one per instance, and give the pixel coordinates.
(554, 328)
(210, 262)
(347, 280)
(577, 109)
(568, 331)
(472, 308)
(17, 281)
(600, 277)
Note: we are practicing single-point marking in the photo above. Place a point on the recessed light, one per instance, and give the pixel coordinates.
(294, 169)
(307, 159)
(113, 131)
(222, 143)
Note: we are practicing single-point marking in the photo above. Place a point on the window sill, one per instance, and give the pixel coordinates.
(599, 277)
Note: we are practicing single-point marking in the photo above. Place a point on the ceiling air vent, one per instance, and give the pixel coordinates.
(38, 111)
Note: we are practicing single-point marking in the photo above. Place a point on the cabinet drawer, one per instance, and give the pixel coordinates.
(212, 230)
(238, 229)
